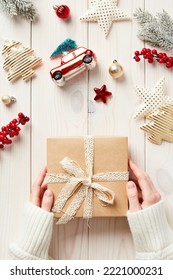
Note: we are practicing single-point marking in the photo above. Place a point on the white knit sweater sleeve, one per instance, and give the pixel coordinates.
(35, 235)
(152, 235)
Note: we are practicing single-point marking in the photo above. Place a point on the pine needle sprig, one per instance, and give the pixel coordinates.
(26, 9)
(157, 31)
(166, 22)
(9, 7)
(143, 17)
(23, 8)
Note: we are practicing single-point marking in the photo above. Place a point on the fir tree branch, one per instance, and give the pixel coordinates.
(158, 30)
(26, 9)
(166, 22)
(9, 7)
(142, 17)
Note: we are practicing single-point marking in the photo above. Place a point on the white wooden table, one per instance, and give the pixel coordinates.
(71, 110)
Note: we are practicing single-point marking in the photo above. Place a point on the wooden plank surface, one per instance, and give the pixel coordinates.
(71, 110)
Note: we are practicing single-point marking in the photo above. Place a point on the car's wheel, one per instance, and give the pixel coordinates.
(57, 76)
(87, 59)
(89, 62)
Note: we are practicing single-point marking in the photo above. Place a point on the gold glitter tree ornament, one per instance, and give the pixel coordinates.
(19, 61)
(161, 126)
(105, 12)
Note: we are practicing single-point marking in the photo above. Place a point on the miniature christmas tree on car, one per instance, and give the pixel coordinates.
(19, 61)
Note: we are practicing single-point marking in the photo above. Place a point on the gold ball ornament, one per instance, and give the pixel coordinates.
(7, 99)
(116, 70)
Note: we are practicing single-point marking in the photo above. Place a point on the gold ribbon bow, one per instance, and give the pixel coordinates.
(82, 186)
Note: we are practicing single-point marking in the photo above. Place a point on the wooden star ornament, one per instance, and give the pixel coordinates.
(102, 94)
(105, 12)
(160, 126)
(152, 99)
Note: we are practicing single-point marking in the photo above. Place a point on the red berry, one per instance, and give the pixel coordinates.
(137, 53)
(160, 60)
(150, 60)
(170, 59)
(160, 55)
(20, 115)
(12, 125)
(154, 51)
(137, 59)
(144, 50)
(14, 121)
(7, 126)
(1, 138)
(27, 119)
(5, 133)
(8, 141)
(17, 128)
(3, 128)
(1, 146)
(164, 58)
(168, 64)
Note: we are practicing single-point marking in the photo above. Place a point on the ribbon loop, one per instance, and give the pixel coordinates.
(72, 167)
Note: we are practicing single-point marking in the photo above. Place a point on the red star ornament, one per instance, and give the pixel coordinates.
(102, 94)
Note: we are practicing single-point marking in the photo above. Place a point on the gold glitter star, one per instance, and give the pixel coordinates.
(105, 12)
(152, 99)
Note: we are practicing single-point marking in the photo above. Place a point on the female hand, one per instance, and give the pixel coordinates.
(40, 195)
(141, 191)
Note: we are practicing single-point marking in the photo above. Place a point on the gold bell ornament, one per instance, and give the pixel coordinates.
(116, 70)
(7, 99)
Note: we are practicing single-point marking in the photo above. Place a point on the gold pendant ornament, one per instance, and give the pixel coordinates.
(116, 70)
(7, 99)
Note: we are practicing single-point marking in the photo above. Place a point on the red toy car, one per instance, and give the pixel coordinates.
(73, 63)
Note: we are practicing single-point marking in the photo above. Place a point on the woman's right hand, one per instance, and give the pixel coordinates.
(140, 191)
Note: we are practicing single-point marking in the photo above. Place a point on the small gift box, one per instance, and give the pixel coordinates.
(88, 176)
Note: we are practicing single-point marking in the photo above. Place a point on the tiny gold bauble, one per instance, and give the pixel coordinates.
(7, 99)
(116, 70)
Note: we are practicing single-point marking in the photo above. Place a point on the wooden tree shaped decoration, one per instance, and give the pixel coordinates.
(161, 125)
(19, 61)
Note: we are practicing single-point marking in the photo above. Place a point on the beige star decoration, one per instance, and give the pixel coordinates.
(160, 126)
(152, 99)
(105, 12)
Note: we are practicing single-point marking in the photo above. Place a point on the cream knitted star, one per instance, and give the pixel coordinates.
(104, 12)
(152, 99)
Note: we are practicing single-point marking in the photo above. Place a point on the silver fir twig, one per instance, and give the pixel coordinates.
(23, 8)
(156, 30)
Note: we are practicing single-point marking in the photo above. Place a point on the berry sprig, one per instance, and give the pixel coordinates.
(12, 129)
(151, 55)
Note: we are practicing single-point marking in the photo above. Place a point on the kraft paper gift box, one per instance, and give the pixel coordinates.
(110, 154)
